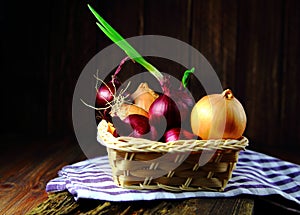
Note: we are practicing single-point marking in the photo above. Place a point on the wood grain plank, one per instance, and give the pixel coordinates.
(72, 44)
(207, 31)
(206, 36)
(167, 18)
(171, 19)
(289, 85)
(22, 183)
(128, 20)
(23, 55)
(62, 203)
(258, 68)
(229, 44)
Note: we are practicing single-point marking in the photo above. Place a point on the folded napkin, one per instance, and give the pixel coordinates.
(255, 174)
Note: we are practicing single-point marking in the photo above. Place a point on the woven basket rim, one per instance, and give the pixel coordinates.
(132, 144)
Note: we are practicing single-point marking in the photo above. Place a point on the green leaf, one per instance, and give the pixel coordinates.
(112, 34)
(186, 76)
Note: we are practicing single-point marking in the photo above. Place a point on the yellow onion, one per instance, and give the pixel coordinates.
(144, 96)
(218, 116)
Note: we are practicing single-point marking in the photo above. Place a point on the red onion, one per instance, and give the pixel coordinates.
(132, 125)
(164, 113)
(139, 123)
(151, 135)
(106, 92)
(178, 134)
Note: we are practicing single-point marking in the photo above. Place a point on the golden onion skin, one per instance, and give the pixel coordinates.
(218, 116)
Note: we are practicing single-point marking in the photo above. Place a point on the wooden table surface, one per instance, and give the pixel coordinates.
(26, 167)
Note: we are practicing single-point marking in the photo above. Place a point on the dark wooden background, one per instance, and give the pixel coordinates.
(253, 45)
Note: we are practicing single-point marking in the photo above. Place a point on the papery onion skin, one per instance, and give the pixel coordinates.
(174, 134)
(218, 116)
(111, 129)
(164, 114)
(144, 96)
(124, 110)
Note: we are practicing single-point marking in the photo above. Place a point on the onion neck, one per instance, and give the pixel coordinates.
(228, 94)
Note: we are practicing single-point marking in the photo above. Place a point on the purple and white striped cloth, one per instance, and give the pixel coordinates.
(255, 174)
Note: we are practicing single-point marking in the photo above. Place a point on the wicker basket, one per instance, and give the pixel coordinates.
(183, 165)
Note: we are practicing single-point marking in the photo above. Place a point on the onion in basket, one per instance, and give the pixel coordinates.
(218, 116)
(105, 93)
(164, 112)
